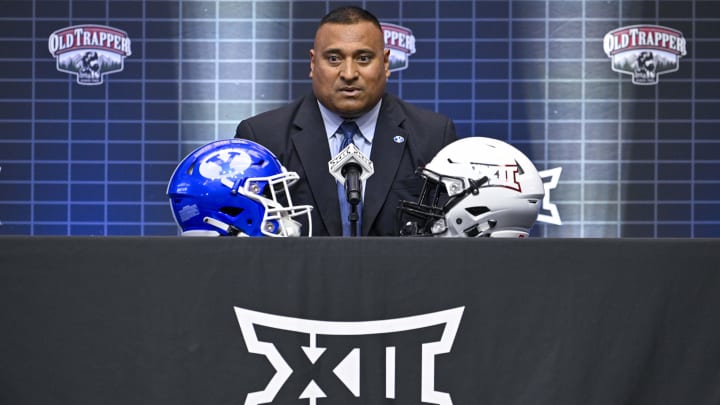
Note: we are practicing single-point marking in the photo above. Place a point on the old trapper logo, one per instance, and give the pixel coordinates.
(401, 42)
(89, 51)
(645, 51)
(303, 352)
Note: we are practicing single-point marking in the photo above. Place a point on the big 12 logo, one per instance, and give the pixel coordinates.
(394, 357)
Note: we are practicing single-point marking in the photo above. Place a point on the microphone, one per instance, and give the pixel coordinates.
(351, 167)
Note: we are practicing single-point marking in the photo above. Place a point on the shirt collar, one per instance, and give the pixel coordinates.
(366, 122)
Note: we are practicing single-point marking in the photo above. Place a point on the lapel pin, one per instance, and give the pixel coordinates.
(398, 139)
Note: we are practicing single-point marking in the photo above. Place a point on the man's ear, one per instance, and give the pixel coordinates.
(312, 62)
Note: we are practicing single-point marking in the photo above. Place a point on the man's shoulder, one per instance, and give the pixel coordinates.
(280, 114)
(271, 128)
(429, 129)
(414, 111)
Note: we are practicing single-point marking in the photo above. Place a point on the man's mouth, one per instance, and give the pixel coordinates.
(350, 91)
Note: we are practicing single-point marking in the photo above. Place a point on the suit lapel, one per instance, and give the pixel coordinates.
(386, 155)
(311, 145)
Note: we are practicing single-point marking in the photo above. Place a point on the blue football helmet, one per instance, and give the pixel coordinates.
(235, 187)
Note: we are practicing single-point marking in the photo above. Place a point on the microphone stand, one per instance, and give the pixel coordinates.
(353, 190)
(353, 217)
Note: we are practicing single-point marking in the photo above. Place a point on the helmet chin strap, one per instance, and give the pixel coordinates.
(229, 229)
(289, 227)
(481, 229)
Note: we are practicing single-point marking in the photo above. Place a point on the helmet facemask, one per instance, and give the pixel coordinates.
(273, 193)
(427, 217)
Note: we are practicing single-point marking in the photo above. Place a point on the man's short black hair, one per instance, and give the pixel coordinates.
(350, 15)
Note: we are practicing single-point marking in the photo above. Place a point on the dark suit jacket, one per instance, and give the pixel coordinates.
(296, 135)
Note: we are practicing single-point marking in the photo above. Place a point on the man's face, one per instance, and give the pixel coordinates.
(349, 67)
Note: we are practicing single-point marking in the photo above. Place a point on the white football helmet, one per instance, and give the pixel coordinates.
(475, 187)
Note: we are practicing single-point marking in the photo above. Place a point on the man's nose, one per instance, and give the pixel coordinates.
(348, 70)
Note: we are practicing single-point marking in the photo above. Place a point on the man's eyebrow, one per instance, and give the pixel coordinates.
(331, 51)
(338, 51)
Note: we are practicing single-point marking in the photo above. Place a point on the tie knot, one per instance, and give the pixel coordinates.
(348, 129)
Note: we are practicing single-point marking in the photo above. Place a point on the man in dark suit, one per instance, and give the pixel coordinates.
(349, 67)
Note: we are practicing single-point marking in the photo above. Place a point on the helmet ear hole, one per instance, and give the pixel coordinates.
(231, 211)
(477, 210)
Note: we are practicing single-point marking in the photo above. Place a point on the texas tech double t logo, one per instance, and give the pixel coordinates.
(350, 362)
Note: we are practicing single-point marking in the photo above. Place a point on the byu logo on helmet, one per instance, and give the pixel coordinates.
(225, 164)
(382, 351)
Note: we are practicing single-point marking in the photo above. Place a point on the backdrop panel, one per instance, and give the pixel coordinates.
(636, 160)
